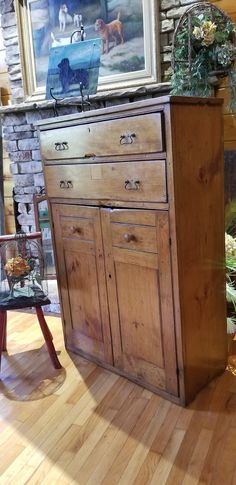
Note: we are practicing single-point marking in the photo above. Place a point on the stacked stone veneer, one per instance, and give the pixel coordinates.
(18, 124)
(25, 160)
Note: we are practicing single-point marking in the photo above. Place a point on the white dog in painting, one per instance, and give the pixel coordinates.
(64, 17)
(77, 20)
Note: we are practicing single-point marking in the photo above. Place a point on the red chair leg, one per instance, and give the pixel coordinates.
(3, 324)
(48, 338)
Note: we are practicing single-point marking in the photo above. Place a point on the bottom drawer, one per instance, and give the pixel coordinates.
(125, 181)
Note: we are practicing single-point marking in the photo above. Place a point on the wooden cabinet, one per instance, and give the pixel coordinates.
(82, 280)
(138, 270)
(137, 207)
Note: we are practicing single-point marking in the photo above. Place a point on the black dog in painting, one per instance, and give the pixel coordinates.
(69, 76)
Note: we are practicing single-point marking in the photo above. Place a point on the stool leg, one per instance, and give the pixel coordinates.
(3, 323)
(48, 338)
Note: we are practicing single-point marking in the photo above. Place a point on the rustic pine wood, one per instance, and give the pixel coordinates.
(119, 137)
(81, 271)
(83, 424)
(140, 299)
(109, 180)
(163, 279)
(197, 232)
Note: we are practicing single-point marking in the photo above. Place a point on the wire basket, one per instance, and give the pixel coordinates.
(215, 15)
(23, 273)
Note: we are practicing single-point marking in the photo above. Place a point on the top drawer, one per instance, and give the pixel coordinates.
(135, 135)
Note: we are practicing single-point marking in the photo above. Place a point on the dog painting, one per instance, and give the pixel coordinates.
(126, 30)
(64, 17)
(112, 31)
(74, 66)
(69, 76)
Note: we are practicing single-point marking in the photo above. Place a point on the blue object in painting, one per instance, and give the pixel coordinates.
(71, 65)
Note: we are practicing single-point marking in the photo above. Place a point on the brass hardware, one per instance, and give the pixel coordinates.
(129, 237)
(60, 146)
(66, 184)
(127, 138)
(132, 184)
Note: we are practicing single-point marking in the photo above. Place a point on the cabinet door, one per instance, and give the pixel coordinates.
(139, 286)
(81, 272)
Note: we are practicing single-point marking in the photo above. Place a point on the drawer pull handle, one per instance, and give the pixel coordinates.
(60, 146)
(132, 185)
(66, 184)
(127, 138)
(129, 237)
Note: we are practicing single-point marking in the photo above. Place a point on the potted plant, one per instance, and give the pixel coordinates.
(204, 50)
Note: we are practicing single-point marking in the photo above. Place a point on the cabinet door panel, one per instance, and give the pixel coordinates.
(84, 294)
(139, 312)
(82, 280)
(141, 306)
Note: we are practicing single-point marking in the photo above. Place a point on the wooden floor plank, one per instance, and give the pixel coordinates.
(84, 425)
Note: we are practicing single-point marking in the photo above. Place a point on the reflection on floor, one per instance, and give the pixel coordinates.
(85, 425)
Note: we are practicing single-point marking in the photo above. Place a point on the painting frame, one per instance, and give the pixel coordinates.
(150, 74)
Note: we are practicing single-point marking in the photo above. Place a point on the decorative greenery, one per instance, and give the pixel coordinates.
(230, 263)
(204, 51)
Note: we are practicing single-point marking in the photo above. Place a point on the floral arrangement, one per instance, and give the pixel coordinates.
(204, 50)
(17, 267)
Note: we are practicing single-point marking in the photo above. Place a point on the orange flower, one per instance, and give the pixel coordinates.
(17, 267)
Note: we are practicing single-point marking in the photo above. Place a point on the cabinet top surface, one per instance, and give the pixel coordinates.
(125, 108)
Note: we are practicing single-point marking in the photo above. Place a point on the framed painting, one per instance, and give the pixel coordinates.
(128, 31)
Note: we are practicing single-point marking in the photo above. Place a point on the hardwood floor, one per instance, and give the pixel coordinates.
(85, 425)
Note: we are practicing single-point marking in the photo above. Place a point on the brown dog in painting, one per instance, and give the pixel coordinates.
(113, 30)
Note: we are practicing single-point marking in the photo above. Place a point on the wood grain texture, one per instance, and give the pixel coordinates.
(133, 182)
(82, 424)
(228, 6)
(198, 166)
(140, 300)
(123, 137)
(81, 270)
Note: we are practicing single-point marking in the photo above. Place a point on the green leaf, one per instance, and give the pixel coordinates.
(220, 37)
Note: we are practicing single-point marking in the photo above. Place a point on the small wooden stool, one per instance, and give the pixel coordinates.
(8, 302)
(43, 325)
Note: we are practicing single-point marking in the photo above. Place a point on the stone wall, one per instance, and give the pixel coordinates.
(18, 125)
